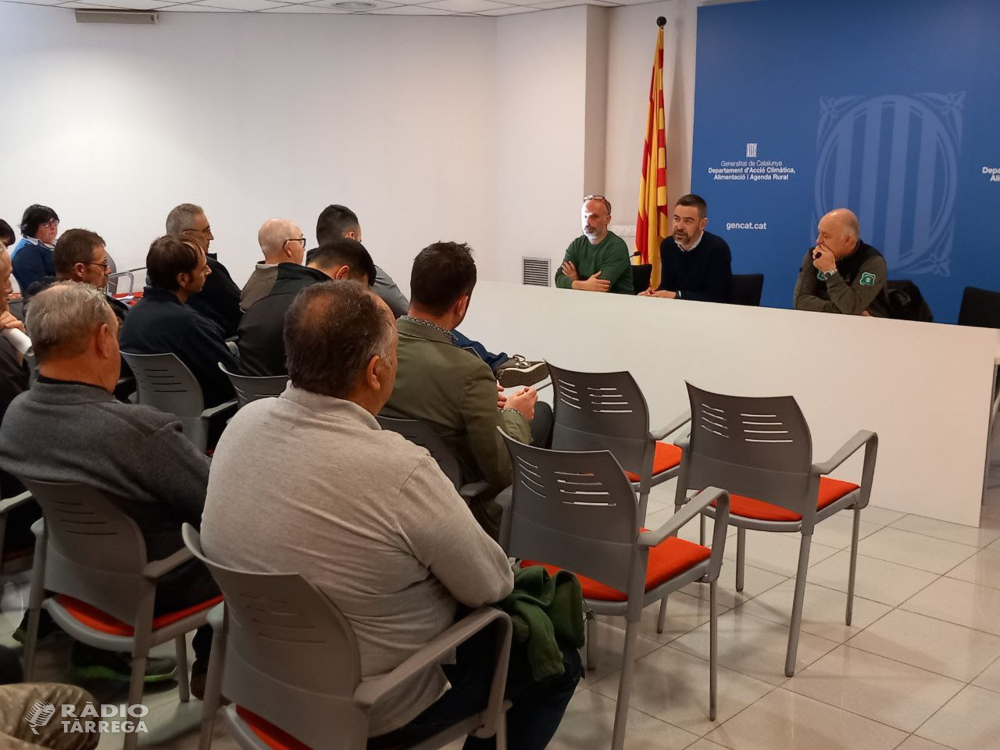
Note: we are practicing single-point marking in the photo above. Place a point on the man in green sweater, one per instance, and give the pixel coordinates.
(598, 260)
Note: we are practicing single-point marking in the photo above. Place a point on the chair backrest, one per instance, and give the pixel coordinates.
(423, 435)
(16, 307)
(602, 411)
(575, 510)
(165, 383)
(250, 388)
(291, 656)
(747, 289)
(94, 552)
(641, 276)
(980, 307)
(751, 446)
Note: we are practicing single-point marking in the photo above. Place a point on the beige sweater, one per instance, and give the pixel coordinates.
(311, 484)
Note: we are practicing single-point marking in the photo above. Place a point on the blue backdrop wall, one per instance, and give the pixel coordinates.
(888, 107)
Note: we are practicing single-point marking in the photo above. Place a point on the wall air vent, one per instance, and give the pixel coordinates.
(116, 16)
(536, 271)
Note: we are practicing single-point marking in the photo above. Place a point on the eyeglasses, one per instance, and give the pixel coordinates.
(294, 239)
(105, 265)
(51, 223)
(607, 203)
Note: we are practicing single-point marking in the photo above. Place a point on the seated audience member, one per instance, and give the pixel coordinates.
(32, 256)
(842, 274)
(450, 388)
(13, 381)
(338, 221)
(598, 260)
(19, 701)
(694, 264)
(7, 236)
(162, 321)
(69, 428)
(281, 241)
(81, 255)
(370, 520)
(261, 343)
(220, 299)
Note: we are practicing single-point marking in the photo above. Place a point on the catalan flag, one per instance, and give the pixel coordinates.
(653, 224)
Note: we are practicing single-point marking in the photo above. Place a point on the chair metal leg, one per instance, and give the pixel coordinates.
(501, 735)
(625, 686)
(591, 641)
(741, 556)
(183, 679)
(713, 651)
(701, 529)
(800, 593)
(661, 621)
(854, 566)
(136, 684)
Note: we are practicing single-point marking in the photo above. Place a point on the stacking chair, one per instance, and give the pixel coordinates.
(980, 307)
(607, 411)
(760, 450)
(575, 510)
(288, 660)
(90, 561)
(423, 435)
(250, 388)
(747, 289)
(165, 383)
(116, 276)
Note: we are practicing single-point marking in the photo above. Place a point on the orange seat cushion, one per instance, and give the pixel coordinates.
(667, 456)
(94, 618)
(266, 732)
(669, 558)
(830, 491)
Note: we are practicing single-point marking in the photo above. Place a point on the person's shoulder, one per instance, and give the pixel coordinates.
(715, 241)
(616, 243)
(137, 419)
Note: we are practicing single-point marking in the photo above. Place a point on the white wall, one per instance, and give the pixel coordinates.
(253, 117)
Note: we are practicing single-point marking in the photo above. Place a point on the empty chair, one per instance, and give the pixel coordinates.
(980, 307)
(288, 660)
(760, 450)
(90, 562)
(607, 411)
(747, 289)
(575, 510)
(423, 435)
(165, 383)
(641, 276)
(250, 387)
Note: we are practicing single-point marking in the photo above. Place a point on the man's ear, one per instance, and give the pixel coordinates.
(78, 270)
(371, 376)
(343, 273)
(462, 305)
(102, 340)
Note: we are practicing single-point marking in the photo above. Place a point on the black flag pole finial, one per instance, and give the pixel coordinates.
(661, 22)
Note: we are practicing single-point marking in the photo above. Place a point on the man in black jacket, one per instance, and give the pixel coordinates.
(694, 264)
(162, 321)
(219, 301)
(261, 342)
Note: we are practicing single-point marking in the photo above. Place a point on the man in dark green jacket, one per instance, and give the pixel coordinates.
(452, 389)
(842, 274)
(598, 260)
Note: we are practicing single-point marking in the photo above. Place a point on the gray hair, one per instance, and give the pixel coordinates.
(852, 225)
(182, 217)
(61, 318)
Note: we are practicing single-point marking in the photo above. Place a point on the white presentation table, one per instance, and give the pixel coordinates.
(925, 388)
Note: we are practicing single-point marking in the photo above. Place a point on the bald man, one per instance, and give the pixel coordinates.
(842, 274)
(281, 241)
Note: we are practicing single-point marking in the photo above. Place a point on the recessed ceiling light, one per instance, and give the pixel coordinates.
(355, 5)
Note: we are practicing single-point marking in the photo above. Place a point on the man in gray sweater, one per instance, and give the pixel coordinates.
(308, 482)
(68, 427)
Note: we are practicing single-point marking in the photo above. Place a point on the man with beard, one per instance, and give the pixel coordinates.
(694, 264)
(598, 260)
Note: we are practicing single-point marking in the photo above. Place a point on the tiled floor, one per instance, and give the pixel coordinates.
(919, 668)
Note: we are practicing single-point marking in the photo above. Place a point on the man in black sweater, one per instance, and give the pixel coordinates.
(694, 264)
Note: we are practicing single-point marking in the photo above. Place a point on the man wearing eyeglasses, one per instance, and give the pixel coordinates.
(281, 241)
(598, 260)
(81, 255)
(219, 301)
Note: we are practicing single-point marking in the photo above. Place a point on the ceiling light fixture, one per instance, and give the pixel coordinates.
(355, 5)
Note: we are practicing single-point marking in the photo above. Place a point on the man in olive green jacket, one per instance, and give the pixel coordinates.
(450, 388)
